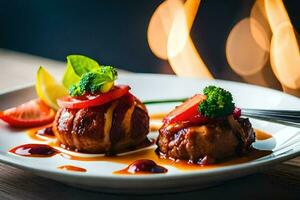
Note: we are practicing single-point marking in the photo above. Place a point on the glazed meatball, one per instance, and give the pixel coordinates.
(108, 128)
(206, 143)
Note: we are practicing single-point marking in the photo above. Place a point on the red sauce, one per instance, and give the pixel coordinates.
(34, 150)
(72, 168)
(143, 166)
(42, 133)
(45, 131)
(42, 150)
(179, 164)
(144, 144)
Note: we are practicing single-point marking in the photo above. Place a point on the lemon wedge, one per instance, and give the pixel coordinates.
(48, 89)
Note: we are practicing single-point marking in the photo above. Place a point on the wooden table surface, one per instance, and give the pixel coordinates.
(280, 182)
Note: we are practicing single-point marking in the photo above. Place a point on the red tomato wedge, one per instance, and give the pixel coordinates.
(237, 112)
(187, 111)
(93, 100)
(30, 114)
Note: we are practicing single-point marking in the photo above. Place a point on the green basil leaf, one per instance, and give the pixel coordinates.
(70, 77)
(82, 64)
(77, 65)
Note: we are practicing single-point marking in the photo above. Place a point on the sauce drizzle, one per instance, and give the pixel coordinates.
(72, 168)
(143, 166)
(131, 158)
(41, 134)
(34, 150)
(46, 131)
(260, 135)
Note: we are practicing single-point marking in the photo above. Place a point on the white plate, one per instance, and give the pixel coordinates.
(285, 143)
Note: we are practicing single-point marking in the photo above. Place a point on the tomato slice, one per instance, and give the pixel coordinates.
(237, 112)
(187, 111)
(30, 114)
(93, 100)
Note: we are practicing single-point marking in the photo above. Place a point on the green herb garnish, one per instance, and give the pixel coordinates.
(77, 65)
(93, 81)
(218, 103)
(83, 74)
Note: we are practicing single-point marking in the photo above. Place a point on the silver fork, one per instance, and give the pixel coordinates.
(286, 117)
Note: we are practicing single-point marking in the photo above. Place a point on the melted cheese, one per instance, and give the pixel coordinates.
(126, 123)
(107, 124)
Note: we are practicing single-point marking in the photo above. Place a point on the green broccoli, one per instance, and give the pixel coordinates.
(75, 91)
(92, 82)
(218, 103)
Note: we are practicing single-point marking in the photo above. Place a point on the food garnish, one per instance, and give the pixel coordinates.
(77, 65)
(48, 89)
(218, 102)
(86, 80)
(89, 83)
(82, 68)
(30, 114)
(99, 80)
(90, 100)
(85, 75)
(187, 111)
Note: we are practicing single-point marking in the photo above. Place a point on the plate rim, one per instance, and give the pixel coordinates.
(199, 173)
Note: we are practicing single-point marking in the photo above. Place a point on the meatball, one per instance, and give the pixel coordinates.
(208, 143)
(107, 128)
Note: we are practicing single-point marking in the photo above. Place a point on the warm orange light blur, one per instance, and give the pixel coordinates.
(248, 45)
(284, 51)
(266, 40)
(247, 48)
(258, 15)
(262, 48)
(159, 28)
(169, 37)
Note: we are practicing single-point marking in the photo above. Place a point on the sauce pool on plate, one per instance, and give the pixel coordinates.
(143, 166)
(34, 150)
(41, 134)
(141, 161)
(260, 135)
(46, 131)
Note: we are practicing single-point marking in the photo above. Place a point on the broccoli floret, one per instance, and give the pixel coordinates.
(218, 103)
(109, 71)
(91, 82)
(75, 91)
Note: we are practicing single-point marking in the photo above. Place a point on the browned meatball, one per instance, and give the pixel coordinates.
(206, 143)
(108, 128)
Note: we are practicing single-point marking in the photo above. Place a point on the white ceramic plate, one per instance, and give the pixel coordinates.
(285, 143)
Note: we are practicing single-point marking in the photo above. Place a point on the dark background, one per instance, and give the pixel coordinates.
(115, 32)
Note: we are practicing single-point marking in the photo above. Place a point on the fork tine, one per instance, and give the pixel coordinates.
(274, 120)
(272, 114)
(281, 118)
